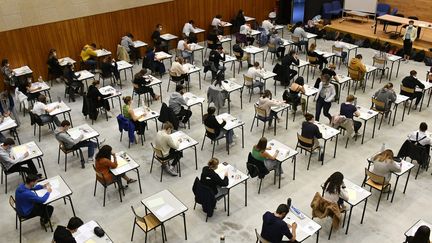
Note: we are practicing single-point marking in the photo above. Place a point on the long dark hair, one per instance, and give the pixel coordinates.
(422, 235)
(104, 152)
(210, 112)
(261, 145)
(334, 182)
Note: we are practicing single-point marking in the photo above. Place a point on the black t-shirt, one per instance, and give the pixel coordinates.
(63, 235)
(141, 81)
(274, 228)
(310, 130)
(156, 37)
(347, 110)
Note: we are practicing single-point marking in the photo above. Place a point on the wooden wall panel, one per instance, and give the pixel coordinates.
(420, 8)
(30, 46)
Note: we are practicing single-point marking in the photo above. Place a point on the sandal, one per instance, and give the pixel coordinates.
(131, 181)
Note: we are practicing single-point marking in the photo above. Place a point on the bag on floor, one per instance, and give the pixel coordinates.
(428, 61)
(420, 56)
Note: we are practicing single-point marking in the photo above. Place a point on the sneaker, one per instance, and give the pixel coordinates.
(170, 170)
(232, 144)
(90, 160)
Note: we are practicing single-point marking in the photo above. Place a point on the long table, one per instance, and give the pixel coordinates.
(402, 20)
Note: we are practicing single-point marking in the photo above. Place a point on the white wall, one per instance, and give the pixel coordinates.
(16, 14)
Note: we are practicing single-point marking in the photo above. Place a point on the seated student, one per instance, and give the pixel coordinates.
(265, 102)
(7, 106)
(217, 23)
(159, 43)
(255, 73)
(8, 75)
(95, 96)
(340, 44)
(288, 60)
(54, 67)
(311, 131)
(267, 26)
(72, 82)
(259, 153)
(211, 122)
(185, 49)
(412, 82)
(168, 146)
(104, 164)
(64, 234)
(278, 44)
(129, 113)
(41, 109)
(246, 30)
(422, 235)
(293, 96)
(188, 28)
(211, 179)
(301, 34)
(178, 72)
(384, 165)
(215, 57)
(128, 44)
(177, 103)
(109, 67)
(15, 164)
(216, 94)
(152, 63)
(140, 83)
(89, 55)
(213, 38)
(29, 204)
(241, 55)
(320, 60)
(240, 18)
(386, 95)
(357, 65)
(349, 110)
(420, 136)
(25, 86)
(274, 227)
(63, 136)
(334, 190)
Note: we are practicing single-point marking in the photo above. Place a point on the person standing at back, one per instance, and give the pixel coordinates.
(412, 82)
(65, 234)
(408, 37)
(325, 96)
(240, 18)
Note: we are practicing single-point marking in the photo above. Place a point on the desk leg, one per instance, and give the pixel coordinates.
(349, 219)
(73, 209)
(323, 152)
(70, 119)
(43, 166)
(364, 130)
(199, 79)
(49, 220)
(196, 159)
(228, 194)
(119, 100)
(263, 58)
(16, 134)
(349, 85)
(395, 111)
(317, 233)
(430, 94)
(397, 71)
(286, 122)
(406, 183)
(242, 136)
(184, 222)
(241, 99)
(394, 189)
(245, 193)
(364, 210)
(294, 160)
(229, 102)
(202, 112)
(391, 71)
(280, 169)
(307, 104)
(373, 130)
(334, 155)
(160, 93)
(139, 180)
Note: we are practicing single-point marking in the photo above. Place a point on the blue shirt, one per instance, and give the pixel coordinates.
(26, 198)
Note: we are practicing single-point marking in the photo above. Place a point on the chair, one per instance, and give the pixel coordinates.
(158, 155)
(214, 139)
(127, 125)
(101, 179)
(371, 180)
(338, 53)
(409, 92)
(205, 196)
(381, 64)
(382, 9)
(6, 173)
(257, 168)
(415, 151)
(147, 223)
(336, 7)
(313, 63)
(19, 218)
(172, 78)
(239, 59)
(36, 120)
(249, 87)
(106, 75)
(241, 39)
(327, 11)
(68, 151)
(379, 107)
(296, 42)
(259, 238)
(356, 77)
(22, 99)
(261, 115)
(307, 144)
(273, 50)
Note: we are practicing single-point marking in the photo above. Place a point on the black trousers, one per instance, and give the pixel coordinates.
(292, 73)
(322, 105)
(145, 89)
(41, 210)
(357, 126)
(30, 169)
(175, 155)
(280, 51)
(184, 115)
(418, 96)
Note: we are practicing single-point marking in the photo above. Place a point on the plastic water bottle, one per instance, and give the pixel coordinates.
(383, 147)
(40, 79)
(222, 239)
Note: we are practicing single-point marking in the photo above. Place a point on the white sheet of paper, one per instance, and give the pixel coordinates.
(53, 194)
(164, 210)
(155, 202)
(75, 133)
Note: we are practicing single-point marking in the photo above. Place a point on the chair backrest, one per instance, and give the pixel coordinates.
(304, 140)
(139, 218)
(247, 79)
(210, 130)
(35, 119)
(260, 238)
(406, 89)
(271, 46)
(157, 152)
(260, 111)
(327, 7)
(378, 104)
(336, 5)
(295, 39)
(383, 7)
(99, 176)
(237, 54)
(337, 50)
(379, 60)
(374, 177)
(210, 42)
(312, 59)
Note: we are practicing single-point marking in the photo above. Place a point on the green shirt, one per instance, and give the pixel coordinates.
(126, 112)
(257, 154)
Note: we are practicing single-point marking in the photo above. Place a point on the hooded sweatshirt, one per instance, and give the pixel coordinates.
(357, 65)
(176, 101)
(274, 228)
(386, 96)
(26, 198)
(66, 139)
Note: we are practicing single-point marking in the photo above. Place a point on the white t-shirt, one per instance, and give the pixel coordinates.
(216, 22)
(39, 108)
(180, 45)
(267, 25)
(425, 141)
(254, 73)
(245, 29)
(187, 28)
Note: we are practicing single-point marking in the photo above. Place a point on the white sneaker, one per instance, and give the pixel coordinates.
(232, 144)
(171, 170)
(90, 160)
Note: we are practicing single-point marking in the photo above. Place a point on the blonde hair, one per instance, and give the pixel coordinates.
(384, 156)
(213, 163)
(312, 47)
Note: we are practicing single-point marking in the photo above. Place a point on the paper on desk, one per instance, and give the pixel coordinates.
(74, 133)
(164, 210)
(90, 241)
(19, 151)
(155, 202)
(352, 195)
(54, 183)
(54, 193)
(121, 162)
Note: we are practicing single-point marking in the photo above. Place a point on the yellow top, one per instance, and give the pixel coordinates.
(87, 52)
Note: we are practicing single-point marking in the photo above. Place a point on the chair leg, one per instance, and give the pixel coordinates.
(151, 165)
(162, 169)
(214, 145)
(120, 190)
(259, 188)
(133, 230)
(202, 145)
(264, 126)
(310, 156)
(104, 195)
(253, 121)
(382, 117)
(331, 230)
(379, 199)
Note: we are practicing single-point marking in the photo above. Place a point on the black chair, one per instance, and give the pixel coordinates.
(206, 197)
(6, 173)
(307, 145)
(214, 140)
(257, 168)
(101, 179)
(66, 151)
(36, 120)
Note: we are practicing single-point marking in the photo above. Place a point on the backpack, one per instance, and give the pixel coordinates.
(348, 39)
(366, 43)
(420, 56)
(400, 52)
(359, 42)
(330, 35)
(428, 61)
(376, 45)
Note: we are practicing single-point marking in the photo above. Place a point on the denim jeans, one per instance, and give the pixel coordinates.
(89, 144)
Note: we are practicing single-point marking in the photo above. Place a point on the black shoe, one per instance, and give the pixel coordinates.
(321, 158)
(289, 203)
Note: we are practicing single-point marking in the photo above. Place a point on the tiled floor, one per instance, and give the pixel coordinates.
(386, 225)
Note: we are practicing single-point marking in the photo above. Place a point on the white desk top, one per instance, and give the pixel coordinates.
(229, 59)
(231, 121)
(285, 152)
(185, 141)
(168, 37)
(125, 163)
(22, 71)
(31, 147)
(278, 27)
(267, 74)
(370, 68)
(59, 108)
(426, 84)
(306, 227)
(59, 189)
(327, 131)
(198, 30)
(366, 114)
(286, 42)
(254, 32)
(302, 63)
(161, 55)
(121, 65)
(84, 74)
(282, 106)
(8, 123)
(400, 98)
(229, 85)
(235, 176)
(411, 231)
(325, 54)
(85, 129)
(195, 47)
(109, 90)
(102, 52)
(224, 39)
(356, 194)
(348, 46)
(406, 166)
(191, 68)
(39, 86)
(65, 60)
(149, 114)
(247, 18)
(192, 99)
(342, 78)
(393, 58)
(138, 44)
(153, 80)
(310, 90)
(252, 49)
(310, 35)
(85, 234)
(164, 205)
